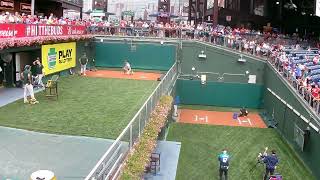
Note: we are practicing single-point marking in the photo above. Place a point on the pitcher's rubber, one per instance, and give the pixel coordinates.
(220, 118)
(121, 75)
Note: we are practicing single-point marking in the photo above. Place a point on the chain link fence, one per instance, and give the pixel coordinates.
(110, 164)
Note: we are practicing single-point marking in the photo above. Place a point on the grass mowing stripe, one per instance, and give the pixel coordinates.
(95, 107)
(201, 144)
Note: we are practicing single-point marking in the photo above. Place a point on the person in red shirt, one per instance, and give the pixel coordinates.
(316, 60)
(73, 22)
(315, 91)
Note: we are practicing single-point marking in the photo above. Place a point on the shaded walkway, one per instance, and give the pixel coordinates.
(9, 95)
(169, 157)
(69, 157)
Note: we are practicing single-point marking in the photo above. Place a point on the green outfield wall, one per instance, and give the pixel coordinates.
(219, 61)
(220, 94)
(234, 91)
(287, 119)
(227, 80)
(153, 56)
(220, 89)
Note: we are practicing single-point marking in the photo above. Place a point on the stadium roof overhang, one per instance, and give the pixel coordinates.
(71, 4)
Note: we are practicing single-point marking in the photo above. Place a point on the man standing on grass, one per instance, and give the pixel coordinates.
(223, 159)
(271, 162)
(40, 74)
(83, 63)
(27, 82)
(175, 106)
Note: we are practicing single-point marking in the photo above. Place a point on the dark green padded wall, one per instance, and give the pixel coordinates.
(220, 94)
(153, 56)
(287, 118)
(219, 61)
(85, 47)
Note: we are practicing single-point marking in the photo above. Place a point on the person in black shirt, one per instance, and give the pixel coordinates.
(243, 112)
(40, 74)
(33, 71)
(223, 159)
(83, 63)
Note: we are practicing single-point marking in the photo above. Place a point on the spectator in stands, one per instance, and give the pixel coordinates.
(145, 25)
(298, 72)
(315, 91)
(316, 59)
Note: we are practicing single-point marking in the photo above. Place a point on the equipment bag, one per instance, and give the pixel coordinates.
(275, 177)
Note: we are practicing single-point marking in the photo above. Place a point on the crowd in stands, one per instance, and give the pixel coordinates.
(297, 58)
(9, 18)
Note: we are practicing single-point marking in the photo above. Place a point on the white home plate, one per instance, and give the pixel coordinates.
(143, 77)
(99, 74)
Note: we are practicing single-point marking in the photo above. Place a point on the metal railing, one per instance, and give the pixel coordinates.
(189, 33)
(110, 164)
(298, 85)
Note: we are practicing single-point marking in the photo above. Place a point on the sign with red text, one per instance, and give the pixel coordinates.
(7, 4)
(25, 7)
(33, 30)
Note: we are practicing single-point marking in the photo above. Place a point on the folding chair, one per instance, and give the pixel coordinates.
(51, 88)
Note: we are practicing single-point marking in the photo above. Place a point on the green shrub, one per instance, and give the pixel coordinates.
(139, 158)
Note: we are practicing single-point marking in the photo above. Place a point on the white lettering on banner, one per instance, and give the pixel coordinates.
(45, 30)
(26, 7)
(8, 33)
(74, 31)
(31, 30)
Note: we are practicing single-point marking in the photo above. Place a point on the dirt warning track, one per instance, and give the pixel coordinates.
(120, 75)
(220, 118)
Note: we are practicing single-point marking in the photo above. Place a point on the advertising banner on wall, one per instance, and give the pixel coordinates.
(58, 57)
(34, 30)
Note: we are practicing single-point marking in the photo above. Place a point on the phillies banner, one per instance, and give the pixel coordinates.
(33, 30)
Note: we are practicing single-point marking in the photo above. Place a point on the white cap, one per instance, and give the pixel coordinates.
(43, 174)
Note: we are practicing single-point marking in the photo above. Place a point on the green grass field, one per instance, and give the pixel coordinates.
(95, 107)
(201, 145)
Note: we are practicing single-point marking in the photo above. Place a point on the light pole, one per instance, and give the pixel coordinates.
(32, 7)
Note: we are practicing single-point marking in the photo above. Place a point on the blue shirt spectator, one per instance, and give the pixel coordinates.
(298, 72)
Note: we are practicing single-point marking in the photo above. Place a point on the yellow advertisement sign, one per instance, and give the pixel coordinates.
(58, 57)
